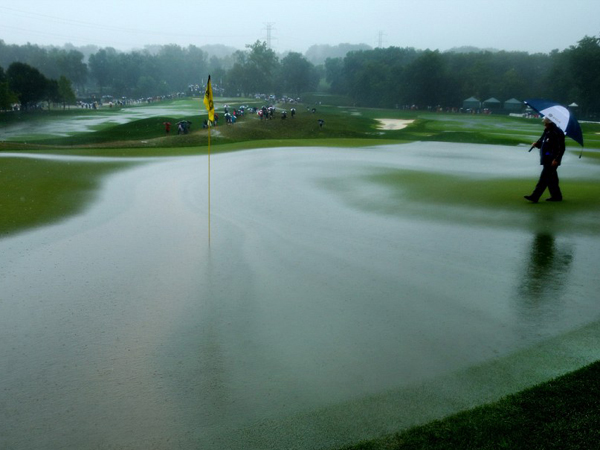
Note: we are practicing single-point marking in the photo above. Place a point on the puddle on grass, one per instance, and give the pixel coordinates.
(124, 328)
(61, 126)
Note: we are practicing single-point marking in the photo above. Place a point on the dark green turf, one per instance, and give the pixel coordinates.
(561, 414)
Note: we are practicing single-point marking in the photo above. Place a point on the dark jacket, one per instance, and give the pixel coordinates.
(551, 145)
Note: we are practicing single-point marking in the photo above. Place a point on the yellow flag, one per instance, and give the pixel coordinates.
(208, 101)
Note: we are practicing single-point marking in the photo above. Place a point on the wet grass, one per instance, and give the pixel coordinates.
(149, 132)
(339, 123)
(563, 413)
(35, 193)
(138, 133)
(488, 202)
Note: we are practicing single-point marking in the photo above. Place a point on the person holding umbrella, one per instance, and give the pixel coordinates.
(552, 149)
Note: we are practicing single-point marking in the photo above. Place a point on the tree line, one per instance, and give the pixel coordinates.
(381, 77)
(25, 85)
(404, 76)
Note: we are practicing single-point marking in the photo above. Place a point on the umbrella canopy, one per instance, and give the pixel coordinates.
(561, 116)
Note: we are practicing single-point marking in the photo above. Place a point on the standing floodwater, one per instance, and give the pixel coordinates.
(320, 314)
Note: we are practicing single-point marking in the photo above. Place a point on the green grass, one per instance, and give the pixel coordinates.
(340, 123)
(488, 202)
(138, 133)
(483, 193)
(563, 413)
(35, 193)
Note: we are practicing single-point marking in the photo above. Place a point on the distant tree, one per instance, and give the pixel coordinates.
(254, 70)
(262, 63)
(428, 80)
(585, 65)
(214, 64)
(180, 67)
(336, 76)
(217, 72)
(7, 54)
(512, 84)
(35, 56)
(238, 80)
(103, 65)
(519, 74)
(471, 49)
(218, 51)
(7, 97)
(52, 94)
(52, 62)
(71, 65)
(146, 86)
(65, 91)
(171, 65)
(195, 67)
(382, 77)
(297, 75)
(559, 79)
(479, 75)
(129, 69)
(377, 77)
(27, 83)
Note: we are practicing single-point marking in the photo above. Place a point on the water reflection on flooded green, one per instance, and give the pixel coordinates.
(547, 268)
(319, 314)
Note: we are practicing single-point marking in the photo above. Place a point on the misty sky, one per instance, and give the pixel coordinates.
(514, 25)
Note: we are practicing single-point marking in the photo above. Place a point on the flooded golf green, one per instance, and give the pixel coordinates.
(345, 294)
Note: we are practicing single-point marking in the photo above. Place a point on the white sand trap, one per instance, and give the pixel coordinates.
(393, 124)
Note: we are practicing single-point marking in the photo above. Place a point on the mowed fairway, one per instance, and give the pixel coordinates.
(346, 292)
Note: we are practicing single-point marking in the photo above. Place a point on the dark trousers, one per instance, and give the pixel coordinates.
(548, 179)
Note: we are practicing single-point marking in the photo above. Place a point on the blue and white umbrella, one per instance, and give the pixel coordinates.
(561, 116)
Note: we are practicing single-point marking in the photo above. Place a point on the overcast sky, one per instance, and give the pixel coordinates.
(514, 25)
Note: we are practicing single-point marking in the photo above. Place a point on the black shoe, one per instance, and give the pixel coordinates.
(530, 198)
(554, 199)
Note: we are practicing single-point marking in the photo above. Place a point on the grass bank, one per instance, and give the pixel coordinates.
(493, 202)
(563, 413)
(356, 126)
(38, 192)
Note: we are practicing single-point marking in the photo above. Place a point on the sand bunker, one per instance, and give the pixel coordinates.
(393, 124)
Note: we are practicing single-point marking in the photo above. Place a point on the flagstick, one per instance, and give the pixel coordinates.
(210, 107)
(209, 186)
